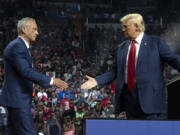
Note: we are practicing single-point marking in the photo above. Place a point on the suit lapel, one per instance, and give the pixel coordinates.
(125, 53)
(24, 46)
(142, 51)
(30, 60)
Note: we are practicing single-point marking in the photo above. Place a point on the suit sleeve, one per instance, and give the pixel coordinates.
(168, 55)
(19, 60)
(109, 76)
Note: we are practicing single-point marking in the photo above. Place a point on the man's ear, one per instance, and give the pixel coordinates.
(23, 30)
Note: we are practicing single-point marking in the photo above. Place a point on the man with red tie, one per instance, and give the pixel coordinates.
(138, 70)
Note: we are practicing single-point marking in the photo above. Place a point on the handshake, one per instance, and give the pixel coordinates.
(90, 83)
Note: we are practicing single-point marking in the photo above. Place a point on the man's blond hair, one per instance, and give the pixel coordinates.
(136, 19)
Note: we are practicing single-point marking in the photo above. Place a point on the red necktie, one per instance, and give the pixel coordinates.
(131, 67)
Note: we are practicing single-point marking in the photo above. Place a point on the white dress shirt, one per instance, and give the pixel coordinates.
(27, 45)
(137, 45)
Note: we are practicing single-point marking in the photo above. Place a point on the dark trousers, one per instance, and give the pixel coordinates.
(20, 122)
(133, 108)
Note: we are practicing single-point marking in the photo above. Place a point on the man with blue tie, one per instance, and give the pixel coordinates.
(138, 70)
(19, 78)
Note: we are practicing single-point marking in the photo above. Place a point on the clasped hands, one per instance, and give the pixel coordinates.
(90, 83)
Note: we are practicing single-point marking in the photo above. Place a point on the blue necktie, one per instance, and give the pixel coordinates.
(29, 51)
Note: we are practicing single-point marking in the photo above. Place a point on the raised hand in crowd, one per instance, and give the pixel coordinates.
(90, 83)
(60, 83)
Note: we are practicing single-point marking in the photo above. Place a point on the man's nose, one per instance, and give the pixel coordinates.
(37, 33)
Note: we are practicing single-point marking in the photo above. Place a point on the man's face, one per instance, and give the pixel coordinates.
(31, 31)
(129, 29)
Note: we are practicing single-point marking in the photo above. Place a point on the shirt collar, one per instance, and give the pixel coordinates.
(27, 45)
(139, 38)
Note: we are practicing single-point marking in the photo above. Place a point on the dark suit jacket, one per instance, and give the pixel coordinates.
(19, 76)
(149, 73)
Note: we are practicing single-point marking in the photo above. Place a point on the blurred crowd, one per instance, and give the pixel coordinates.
(60, 52)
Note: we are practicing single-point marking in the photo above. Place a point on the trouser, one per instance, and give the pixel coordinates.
(20, 122)
(133, 108)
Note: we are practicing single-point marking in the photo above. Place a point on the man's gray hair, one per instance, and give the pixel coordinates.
(23, 23)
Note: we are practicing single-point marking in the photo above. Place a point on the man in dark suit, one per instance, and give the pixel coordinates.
(138, 70)
(19, 78)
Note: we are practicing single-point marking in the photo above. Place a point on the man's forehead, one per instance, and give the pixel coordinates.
(32, 23)
(128, 21)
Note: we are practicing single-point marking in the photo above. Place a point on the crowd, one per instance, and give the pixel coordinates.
(58, 53)
(63, 57)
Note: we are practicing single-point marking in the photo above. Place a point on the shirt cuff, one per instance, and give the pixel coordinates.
(51, 82)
